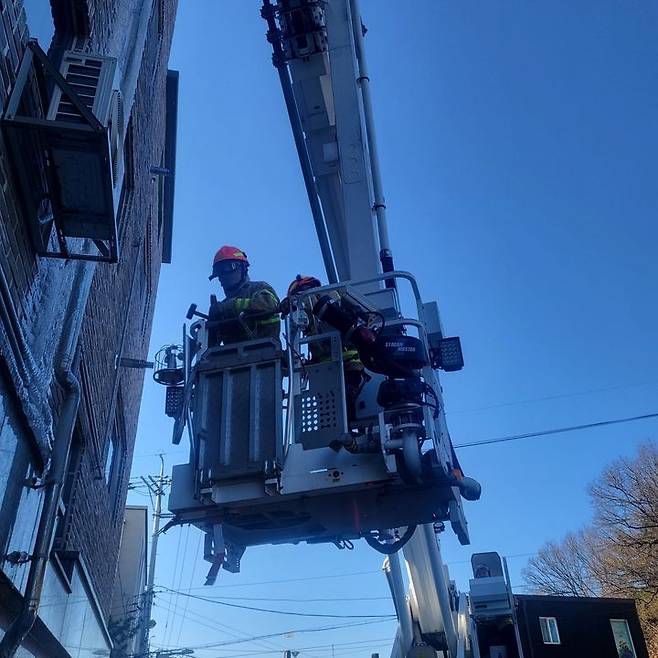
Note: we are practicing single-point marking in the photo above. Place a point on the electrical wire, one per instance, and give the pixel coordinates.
(173, 582)
(292, 580)
(180, 581)
(213, 624)
(299, 631)
(323, 600)
(321, 648)
(551, 397)
(272, 610)
(559, 430)
(187, 600)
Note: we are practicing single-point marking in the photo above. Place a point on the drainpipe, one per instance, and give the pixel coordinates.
(64, 376)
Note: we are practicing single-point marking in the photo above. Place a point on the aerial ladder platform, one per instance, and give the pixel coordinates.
(278, 455)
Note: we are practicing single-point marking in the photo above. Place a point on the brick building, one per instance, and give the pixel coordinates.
(75, 320)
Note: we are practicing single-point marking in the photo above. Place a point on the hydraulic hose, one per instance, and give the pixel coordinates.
(385, 253)
(394, 547)
(279, 61)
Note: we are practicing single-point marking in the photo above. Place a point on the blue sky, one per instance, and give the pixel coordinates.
(519, 147)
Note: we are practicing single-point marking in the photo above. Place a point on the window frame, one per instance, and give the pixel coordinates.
(630, 636)
(109, 465)
(546, 622)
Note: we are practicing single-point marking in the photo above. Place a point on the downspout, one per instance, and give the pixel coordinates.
(64, 376)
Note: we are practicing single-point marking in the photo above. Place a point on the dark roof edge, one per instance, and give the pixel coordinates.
(553, 597)
(171, 128)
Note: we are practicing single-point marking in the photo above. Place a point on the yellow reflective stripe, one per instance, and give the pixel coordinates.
(349, 355)
(242, 304)
(267, 291)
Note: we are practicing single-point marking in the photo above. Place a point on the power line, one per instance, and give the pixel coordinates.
(347, 648)
(187, 601)
(349, 574)
(215, 625)
(322, 648)
(342, 599)
(546, 398)
(292, 580)
(559, 430)
(274, 611)
(319, 629)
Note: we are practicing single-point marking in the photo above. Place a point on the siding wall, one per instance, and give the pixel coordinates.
(583, 625)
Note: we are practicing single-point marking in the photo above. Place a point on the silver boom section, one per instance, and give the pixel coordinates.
(331, 90)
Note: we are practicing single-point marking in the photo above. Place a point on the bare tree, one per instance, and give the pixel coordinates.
(625, 501)
(566, 568)
(618, 554)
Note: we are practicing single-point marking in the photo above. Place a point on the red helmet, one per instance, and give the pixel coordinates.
(227, 258)
(230, 253)
(301, 282)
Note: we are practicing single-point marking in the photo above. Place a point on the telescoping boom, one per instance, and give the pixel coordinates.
(287, 443)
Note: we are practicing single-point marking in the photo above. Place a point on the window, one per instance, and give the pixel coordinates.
(160, 195)
(115, 463)
(109, 461)
(127, 190)
(623, 640)
(148, 274)
(549, 631)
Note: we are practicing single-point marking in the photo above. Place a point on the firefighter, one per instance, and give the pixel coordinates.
(353, 370)
(250, 309)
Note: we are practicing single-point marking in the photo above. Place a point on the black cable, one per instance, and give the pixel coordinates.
(389, 549)
(342, 599)
(559, 430)
(429, 390)
(350, 574)
(546, 398)
(320, 629)
(302, 359)
(270, 610)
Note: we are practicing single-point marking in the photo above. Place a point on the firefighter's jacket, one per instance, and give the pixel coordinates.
(252, 297)
(321, 350)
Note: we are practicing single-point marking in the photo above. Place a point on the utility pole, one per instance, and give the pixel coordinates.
(157, 487)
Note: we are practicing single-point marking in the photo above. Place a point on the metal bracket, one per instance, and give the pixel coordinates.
(272, 478)
(45, 153)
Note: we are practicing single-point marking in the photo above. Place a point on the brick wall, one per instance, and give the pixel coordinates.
(17, 259)
(92, 524)
(122, 294)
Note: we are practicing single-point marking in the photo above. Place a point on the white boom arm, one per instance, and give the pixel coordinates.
(323, 72)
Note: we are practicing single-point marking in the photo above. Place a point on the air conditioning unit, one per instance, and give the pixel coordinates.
(65, 128)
